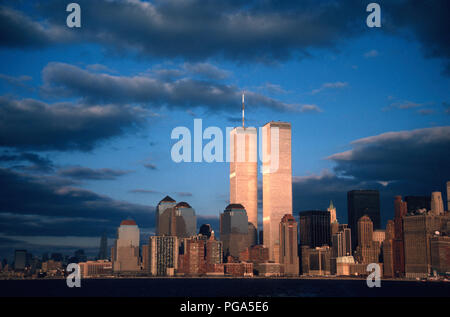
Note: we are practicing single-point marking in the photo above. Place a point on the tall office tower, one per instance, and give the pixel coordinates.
(20, 260)
(214, 253)
(437, 205)
(184, 222)
(418, 231)
(367, 251)
(126, 248)
(448, 196)
(163, 255)
(360, 203)
(205, 230)
(288, 245)
(234, 229)
(244, 173)
(164, 212)
(314, 228)
(332, 210)
(103, 251)
(341, 242)
(277, 181)
(400, 208)
(415, 203)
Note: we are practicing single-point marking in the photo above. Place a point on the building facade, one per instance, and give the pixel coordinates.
(419, 229)
(163, 255)
(126, 248)
(234, 230)
(288, 245)
(360, 203)
(244, 175)
(277, 181)
(314, 228)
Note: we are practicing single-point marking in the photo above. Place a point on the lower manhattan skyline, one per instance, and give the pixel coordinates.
(107, 127)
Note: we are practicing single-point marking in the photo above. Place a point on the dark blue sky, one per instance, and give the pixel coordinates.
(86, 114)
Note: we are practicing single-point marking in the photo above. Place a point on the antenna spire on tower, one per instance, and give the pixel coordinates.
(243, 108)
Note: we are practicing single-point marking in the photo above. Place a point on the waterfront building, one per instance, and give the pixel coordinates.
(288, 245)
(163, 255)
(126, 248)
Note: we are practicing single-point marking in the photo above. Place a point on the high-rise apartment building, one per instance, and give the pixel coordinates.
(360, 203)
(314, 228)
(163, 255)
(234, 229)
(126, 248)
(288, 245)
(277, 181)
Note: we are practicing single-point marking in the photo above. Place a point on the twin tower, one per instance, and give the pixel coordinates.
(276, 168)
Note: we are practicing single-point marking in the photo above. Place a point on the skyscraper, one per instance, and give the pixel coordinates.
(437, 205)
(183, 222)
(314, 227)
(214, 253)
(367, 251)
(288, 245)
(244, 174)
(163, 255)
(400, 208)
(360, 203)
(277, 181)
(341, 242)
(234, 229)
(126, 248)
(103, 250)
(419, 229)
(164, 213)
